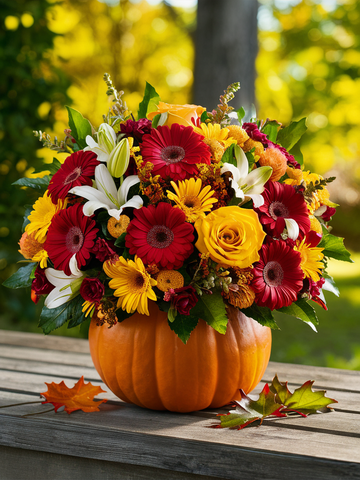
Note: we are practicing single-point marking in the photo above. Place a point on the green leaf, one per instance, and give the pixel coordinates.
(302, 310)
(77, 316)
(122, 315)
(211, 308)
(288, 136)
(52, 167)
(21, 278)
(251, 159)
(183, 325)
(334, 247)
(240, 114)
(229, 155)
(262, 315)
(204, 117)
(120, 241)
(306, 401)
(248, 410)
(28, 210)
(52, 318)
(280, 389)
(80, 126)
(37, 183)
(271, 130)
(149, 102)
(155, 120)
(330, 286)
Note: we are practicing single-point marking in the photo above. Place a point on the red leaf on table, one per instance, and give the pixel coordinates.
(79, 397)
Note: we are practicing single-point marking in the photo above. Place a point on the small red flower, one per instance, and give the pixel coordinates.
(92, 290)
(277, 275)
(160, 235)
(70, 233)
(78, 169)
(40, 285)
(174, 151)
(103, 250)
(184, 299)
(281, 201)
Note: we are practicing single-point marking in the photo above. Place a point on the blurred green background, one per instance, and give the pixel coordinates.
(54, 54)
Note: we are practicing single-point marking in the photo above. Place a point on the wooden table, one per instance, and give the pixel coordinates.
(123, 441)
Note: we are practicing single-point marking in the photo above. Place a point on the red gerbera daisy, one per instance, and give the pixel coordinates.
(77, 170)
(175, 151)
(281, 204)
(277, 275)
(70, 232)
(160, 235)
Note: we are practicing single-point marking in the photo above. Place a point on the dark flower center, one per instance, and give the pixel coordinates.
(139, 281)
(160, 236)
(273, 274)
(74, 239)
(74, 175)
(172, 154)
(278, 209)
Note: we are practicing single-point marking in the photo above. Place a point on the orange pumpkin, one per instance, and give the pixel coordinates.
(143, 362)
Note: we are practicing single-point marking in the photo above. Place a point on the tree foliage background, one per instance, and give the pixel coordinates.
(55, 53)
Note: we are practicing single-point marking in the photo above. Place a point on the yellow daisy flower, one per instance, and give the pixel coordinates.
(191, 199)
(40, 217)
(132, 284)
(42, 257)
(215, 132)
(311, 257)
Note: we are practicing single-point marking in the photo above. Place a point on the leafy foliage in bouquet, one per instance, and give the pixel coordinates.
(182, 207)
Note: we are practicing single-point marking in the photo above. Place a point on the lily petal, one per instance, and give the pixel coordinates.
(258, 200)
(106, 184)
(125, 187)
(242, 161)
(92, 194)
(292, 228)
(134, 202)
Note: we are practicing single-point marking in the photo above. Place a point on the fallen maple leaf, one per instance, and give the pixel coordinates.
(275, 401)
(79, 397)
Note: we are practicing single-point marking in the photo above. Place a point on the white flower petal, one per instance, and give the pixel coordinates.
(74, 269)
(90, 142)
(134, 202)
(57, 298)
(292, 228)
(93, 205)
(105, 184)
(92, 194)
(258, 200)
(125, 187)
(257, 179)
(228, 167)
(242, 161)
(318, 212)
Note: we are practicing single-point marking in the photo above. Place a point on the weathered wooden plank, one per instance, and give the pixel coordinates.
(135, 419)
(49, 342)
(60, 467)
(348, 380)
(46, 356)
(258, 455)
(29, 376)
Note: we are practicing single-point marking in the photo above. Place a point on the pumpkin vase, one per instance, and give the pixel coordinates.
(142, 361)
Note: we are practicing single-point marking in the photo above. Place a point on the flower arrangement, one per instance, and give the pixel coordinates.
(181, 207)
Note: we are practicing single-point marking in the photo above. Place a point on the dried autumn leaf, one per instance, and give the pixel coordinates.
(248, 410)
(79, 397)
(275, 401)
(280, 389)
(304, 400)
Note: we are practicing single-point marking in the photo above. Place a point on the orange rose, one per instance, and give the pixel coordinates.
(231, 235)
(180, 114)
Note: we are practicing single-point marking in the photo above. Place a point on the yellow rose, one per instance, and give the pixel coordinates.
(180, 114)
(231, 235)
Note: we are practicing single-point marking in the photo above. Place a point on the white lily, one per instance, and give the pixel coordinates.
(66, 286)
(106, 195)
(247, 185)
(106, 142)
